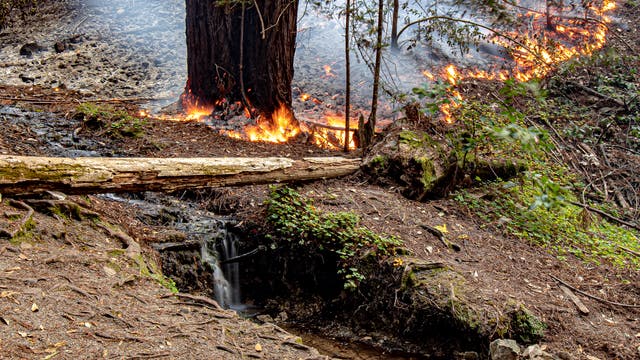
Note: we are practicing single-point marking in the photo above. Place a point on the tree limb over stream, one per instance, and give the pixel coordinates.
(26, 175)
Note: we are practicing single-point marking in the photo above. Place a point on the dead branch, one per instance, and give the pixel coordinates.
(598, 94)
(25, 175)
(629, 250)
(606, 215)
(576, 301)
(440, 235)
(64, 101)
(325, 126)
(593, 296)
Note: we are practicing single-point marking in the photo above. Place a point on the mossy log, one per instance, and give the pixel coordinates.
(24, 175)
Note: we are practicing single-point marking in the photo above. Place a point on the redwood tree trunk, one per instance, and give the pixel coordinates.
(234, 49)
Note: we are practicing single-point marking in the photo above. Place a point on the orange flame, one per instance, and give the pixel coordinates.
(333, 138)
(279, 129)
(534, 54)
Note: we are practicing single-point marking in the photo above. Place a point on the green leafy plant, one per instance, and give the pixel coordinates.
(298, 224)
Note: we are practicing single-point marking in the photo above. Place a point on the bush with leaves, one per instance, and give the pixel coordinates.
(297, 224)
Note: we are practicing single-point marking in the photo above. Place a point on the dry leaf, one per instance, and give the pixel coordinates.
(7, 293)
(109, 271)
(442, 228)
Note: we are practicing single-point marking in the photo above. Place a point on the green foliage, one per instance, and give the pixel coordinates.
(536, 211)
(117, 122)
(298, 224)
(526, 327)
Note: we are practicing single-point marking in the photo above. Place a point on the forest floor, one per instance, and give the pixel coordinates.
(71, 289)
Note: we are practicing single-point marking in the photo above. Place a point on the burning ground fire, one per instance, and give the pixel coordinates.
(534, 55)
(537, 52)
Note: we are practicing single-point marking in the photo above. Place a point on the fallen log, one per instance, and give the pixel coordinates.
(25, 175)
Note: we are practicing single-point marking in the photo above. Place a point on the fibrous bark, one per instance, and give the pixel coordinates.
(241, 52)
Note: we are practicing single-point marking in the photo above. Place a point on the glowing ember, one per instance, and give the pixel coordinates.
(327, 71)
(305, 97)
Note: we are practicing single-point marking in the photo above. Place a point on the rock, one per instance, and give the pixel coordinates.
(60, 47)
(535, 352)
(265, 319)
(27, 78)
(30, 48)
(504, 349)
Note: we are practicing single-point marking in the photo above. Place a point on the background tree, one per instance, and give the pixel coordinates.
(240, 50)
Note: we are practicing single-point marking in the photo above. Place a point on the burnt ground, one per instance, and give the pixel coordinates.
(72, 289)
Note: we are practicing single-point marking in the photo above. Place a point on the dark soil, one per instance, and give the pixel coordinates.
(69, 290)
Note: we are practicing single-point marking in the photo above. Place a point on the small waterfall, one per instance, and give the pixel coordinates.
(221, 246)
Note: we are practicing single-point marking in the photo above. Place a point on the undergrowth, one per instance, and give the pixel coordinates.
(538, 206)
(527, 211)
(298, 224)
(115, 122)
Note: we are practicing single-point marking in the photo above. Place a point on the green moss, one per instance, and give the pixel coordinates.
(153, 271)
(429, 176)
(525, 327)
(379, 161)
(415, 139)
(26, 234)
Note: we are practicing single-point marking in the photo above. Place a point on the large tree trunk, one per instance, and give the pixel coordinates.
(241, 52)
(24, 175)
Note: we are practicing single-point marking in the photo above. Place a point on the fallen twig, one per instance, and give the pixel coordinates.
(608, 216)
(440, 235)
(598, 94)
(23, 221)
(574, 298)
(629, 251)
(593, 296)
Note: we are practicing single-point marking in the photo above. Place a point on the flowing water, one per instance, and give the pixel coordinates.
(220, 247)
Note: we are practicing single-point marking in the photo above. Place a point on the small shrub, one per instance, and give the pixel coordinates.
(296, 223)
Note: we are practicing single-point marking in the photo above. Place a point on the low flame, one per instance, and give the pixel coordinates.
(535, 54)
(332, 137)
(279, 129)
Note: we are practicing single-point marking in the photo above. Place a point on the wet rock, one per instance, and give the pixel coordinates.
(30, 48)
(504, 349)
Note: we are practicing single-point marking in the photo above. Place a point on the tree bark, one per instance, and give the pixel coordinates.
(240, 53)
(25, 175)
